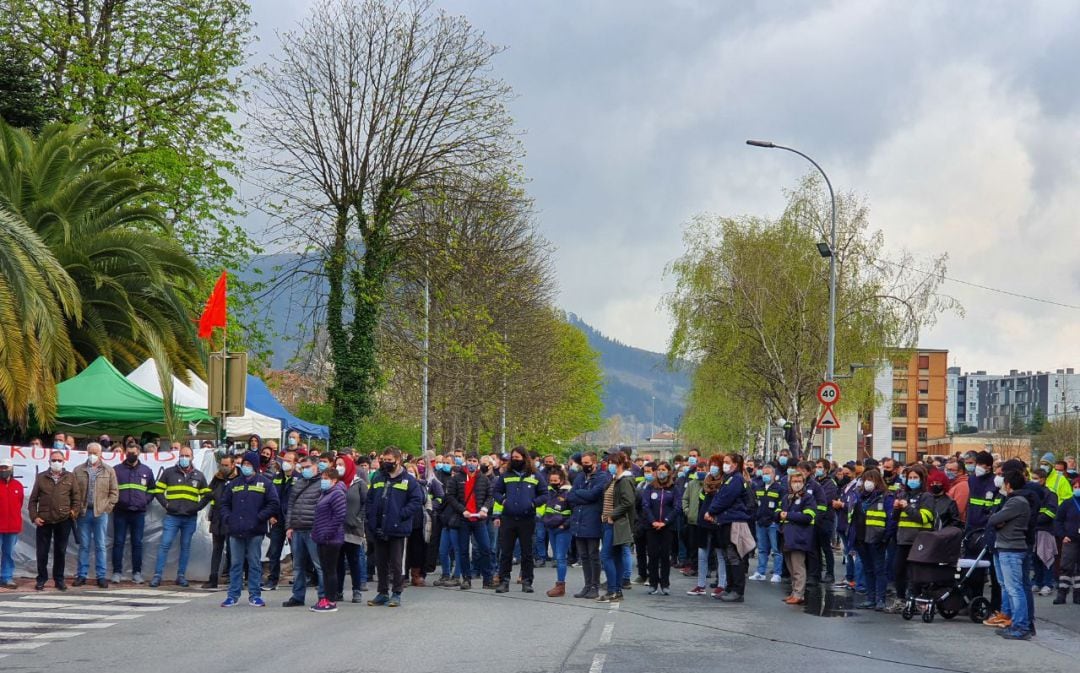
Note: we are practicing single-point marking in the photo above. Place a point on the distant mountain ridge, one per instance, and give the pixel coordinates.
(632, 376)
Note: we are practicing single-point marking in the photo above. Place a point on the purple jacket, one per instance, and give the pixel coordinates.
(330, 516)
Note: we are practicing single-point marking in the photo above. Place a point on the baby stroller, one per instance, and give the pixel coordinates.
(940, 575)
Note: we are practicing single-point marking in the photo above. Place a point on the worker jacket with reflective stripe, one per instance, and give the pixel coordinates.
(519, 494)
(182, 493)
(136, 486)
(915, 518)
(983, 499)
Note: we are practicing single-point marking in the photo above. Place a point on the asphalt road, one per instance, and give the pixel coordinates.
(446, 630)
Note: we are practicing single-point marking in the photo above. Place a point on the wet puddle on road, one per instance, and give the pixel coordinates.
(821, 602)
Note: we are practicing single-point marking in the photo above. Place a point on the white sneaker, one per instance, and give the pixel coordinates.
(116, 578)
(757, 577)
(1046, 591)
(775, 579)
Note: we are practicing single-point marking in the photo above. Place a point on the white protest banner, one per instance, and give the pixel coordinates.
(29, 462)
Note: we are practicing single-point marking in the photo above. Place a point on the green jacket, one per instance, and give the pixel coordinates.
(1059, 485)
(622, 512)
(690, 499)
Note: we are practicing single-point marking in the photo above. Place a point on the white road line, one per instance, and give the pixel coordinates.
(53, 635)
(15, 647)
(605, 637)
(56, 614)
(68, 606)
(137, 592)
(111, 599)
(614, 607)
(597, 663)
(30, 626)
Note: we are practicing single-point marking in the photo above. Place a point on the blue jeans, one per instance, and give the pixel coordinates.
(473, 532)
(7, 556)
(125, 522)
(540, 537)
(173, 525)
(613, 558)
(92, 527)
(448, 541)
(875, 571)
(246, 549)
(560, 544)
(1044, 576)
(1009, 567)
(303, 549)
(628, 562)
(853, 570)
(767, 545)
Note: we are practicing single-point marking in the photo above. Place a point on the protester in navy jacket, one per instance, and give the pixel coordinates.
(135, 482)
(729, 507)
(518, 492)
(660, 505)
(329, 534)
(797, 526)
(1067, 529)
(249, 502)
(587, 499)
(393, 499)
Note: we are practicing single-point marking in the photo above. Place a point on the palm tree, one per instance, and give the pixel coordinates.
(38, 302)
(99, 219)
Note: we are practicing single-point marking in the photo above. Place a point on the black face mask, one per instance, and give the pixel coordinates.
(132, 458)
(517, 465)
(387, 466)
(887, 474)
(587, 469)
(937, 489)
(5, 474)
(485, 468)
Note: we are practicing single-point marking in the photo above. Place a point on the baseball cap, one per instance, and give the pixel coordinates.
(7, 462)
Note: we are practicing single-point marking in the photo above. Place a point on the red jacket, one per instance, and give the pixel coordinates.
(11, 505)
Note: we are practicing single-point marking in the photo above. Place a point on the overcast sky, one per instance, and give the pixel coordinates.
(958, 121)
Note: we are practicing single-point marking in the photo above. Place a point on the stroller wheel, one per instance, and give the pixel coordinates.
(928, 616)
(948, 614)
(907, 613)
(979, 610)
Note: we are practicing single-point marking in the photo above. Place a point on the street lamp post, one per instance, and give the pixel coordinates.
(830, 370)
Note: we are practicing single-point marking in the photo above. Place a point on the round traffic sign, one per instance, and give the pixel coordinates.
(828, 393)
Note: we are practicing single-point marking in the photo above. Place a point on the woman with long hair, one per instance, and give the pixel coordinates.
(869, 531)
(660, 504)
(730, 510)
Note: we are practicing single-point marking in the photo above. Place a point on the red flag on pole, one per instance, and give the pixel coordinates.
(214, 313)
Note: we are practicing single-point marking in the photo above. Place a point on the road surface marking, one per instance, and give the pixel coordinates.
(605, 637)
(111, 599)
(56, 614)
(15, 647)
(598, 663)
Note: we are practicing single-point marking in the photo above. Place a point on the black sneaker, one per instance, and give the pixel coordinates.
(503, 588)
(39, 586)
(626, 584)
(292, 603)
(592, 593)
(79, 581)
(103, 583)
(465, 585)
(526, 587)
(60, 586)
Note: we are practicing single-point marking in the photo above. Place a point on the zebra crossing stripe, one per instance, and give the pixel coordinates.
(139, 600)
(100, 608)
(56, 614)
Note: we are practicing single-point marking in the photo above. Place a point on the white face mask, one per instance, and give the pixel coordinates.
(94, 458)
(868, 485)
(341, 470)
(999, 481)
(288, 467)
(728, 467)
(56, 465)
(979, 470)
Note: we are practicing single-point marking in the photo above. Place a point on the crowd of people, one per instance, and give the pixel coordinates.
(456, 517)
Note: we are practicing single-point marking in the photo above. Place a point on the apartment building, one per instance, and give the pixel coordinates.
(962, 398)
(1016, 396)
(913, 404)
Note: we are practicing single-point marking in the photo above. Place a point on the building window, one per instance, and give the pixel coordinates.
(922, 434)
(899, 411)
(924, 362)
(900, 386)
(924, 386)
(900, 457)
(899, 434)
(923, 409)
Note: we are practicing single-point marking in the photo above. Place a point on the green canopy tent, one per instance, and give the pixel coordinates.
(101, 400)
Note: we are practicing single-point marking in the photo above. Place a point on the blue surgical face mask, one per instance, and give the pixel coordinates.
(767, 478)
(950, 474)
(700, 475)
(914, 484)
(324, 484)
(662, 475)
(307, 472)
(969, 467)
(574, 467)
(782, 460)
(759, 473)
(472, 467)
(819, 472)
(323, 465)
(292, 441)
(59, 444)
(247, 470)
(684, 471)
(714, 470)
(612, 469)
(184, 461)
(692, 460)
(458, 460)
(649, 478)
(1076, 493)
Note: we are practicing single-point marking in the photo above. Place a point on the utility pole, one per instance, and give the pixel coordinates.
(427, 346)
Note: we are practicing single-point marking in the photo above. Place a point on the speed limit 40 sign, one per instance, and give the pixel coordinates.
(828, 393)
